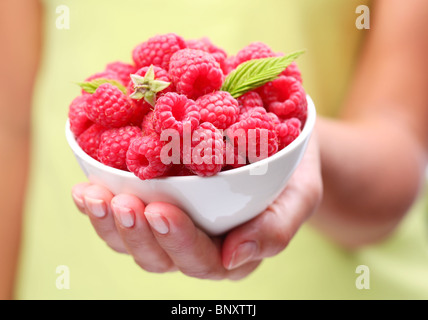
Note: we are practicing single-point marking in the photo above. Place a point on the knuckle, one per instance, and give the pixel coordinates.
(134, 242)
(277, 236)
(315, 191)
(280, 239)
(180, 245)
(203, 274)
(238, 276)
(117, 248)
(318, 191)
(200, 274)
(243, 271)
(154, 268)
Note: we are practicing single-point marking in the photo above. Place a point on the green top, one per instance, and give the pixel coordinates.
(55, 234)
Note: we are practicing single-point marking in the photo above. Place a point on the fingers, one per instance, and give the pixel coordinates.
(160, 237)
(192, 251)
(264, 236)
(120, 222)
(97, 206)
(77, 195)
(137, 235)
(270, 232)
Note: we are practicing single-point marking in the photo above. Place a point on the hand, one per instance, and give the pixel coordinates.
(161, 238)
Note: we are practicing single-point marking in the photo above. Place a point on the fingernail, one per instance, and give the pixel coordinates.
(157, 222)
(97, 207)
(78, 202)
(244, 253)
(125, 216)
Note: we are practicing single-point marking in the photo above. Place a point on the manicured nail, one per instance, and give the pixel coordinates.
(96, 206)
(244, 253)
(125, 216)
(78, 202)
(157, 222)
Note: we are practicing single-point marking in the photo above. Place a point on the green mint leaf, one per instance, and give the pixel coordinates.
(91, 86)
(255, 73)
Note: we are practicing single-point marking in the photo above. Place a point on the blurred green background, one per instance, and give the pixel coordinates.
(105, 31)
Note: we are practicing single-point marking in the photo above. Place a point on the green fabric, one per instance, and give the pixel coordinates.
(56, 234)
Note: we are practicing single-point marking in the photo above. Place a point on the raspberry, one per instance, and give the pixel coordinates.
(143, 157)
(218, 108)
(274, 119)
(287, 132)
(106, 74)
(255, 50)
(293, 71)
(249, 101)
(90, 140)
(79, 122)
(285, 97)
(176, 84)
(179, 170)
(114, 145)
(173, 111)
(122, 70)
(141, 105)
(206, 45)
(254, 125)
(232, 157)
(160, 74)
(109, 107)
(206, 157)
(229, 65)
(158, 50)
(195, 73)
(147, 125)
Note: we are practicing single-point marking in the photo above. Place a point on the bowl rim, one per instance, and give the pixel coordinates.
(307, 130)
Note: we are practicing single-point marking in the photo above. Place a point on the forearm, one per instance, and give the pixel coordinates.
(20, 35)
(373, 157)
(15, 130)
(13, 172)
(372, 172)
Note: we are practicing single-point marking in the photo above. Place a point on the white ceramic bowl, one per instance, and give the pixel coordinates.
(218, 203)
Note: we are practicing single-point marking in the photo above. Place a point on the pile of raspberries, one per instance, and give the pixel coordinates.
(174, 85)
